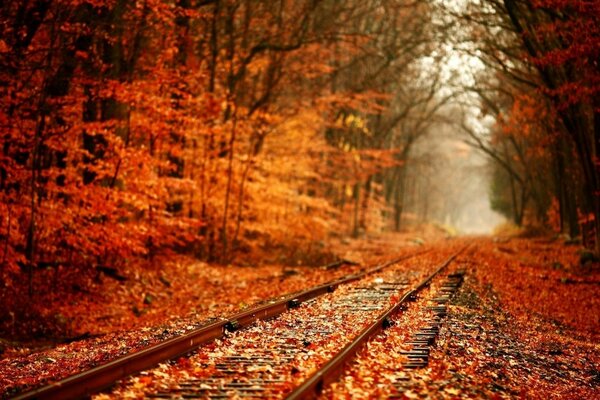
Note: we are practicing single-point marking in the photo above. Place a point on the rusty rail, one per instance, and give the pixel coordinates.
(93, 380)
(331, 370)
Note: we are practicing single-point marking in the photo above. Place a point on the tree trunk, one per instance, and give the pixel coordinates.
(224, 233)
(364, 209)
(355, 224)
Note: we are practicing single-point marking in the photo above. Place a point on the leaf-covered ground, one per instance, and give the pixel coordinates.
(524, 324)
(310, 334)
(78, 327)
(196, 294)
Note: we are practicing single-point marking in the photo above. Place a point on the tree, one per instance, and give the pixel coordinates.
(132, 130)
(562, 39)
(509, 88)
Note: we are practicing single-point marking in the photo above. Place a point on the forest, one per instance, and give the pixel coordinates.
(226, 129)
(149, 142)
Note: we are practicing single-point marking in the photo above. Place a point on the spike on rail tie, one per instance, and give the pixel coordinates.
(294, 303)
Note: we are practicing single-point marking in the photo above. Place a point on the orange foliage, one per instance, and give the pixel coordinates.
(131, 130)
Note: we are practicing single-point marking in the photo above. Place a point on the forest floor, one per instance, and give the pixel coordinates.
(525, 322)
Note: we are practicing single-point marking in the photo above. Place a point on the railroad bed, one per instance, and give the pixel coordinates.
(293, 348)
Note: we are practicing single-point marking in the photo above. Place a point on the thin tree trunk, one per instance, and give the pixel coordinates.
(238, 221)
(514, 201)
(214, 47)
(355, 227)
(31, 230)
(365, 204)
(399, 198)
(224, 237)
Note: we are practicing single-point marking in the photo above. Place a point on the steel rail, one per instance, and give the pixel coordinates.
(331, 370)
(93, 380)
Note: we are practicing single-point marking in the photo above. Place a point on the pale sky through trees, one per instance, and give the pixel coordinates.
(464, 180)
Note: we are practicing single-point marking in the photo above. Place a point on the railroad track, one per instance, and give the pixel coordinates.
(299, 353)
(417, 356)
(386, 368)
(96, 379)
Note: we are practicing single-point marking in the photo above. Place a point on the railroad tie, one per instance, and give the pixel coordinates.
(422, 340)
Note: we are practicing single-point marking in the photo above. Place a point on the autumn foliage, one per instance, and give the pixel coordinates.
(229, 130)
(146, 146)
(132, 130)
(540, 86)
(561, 41)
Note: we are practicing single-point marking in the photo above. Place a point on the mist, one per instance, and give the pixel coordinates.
(448, 183)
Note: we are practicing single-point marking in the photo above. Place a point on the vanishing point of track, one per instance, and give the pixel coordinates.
(372, 299)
